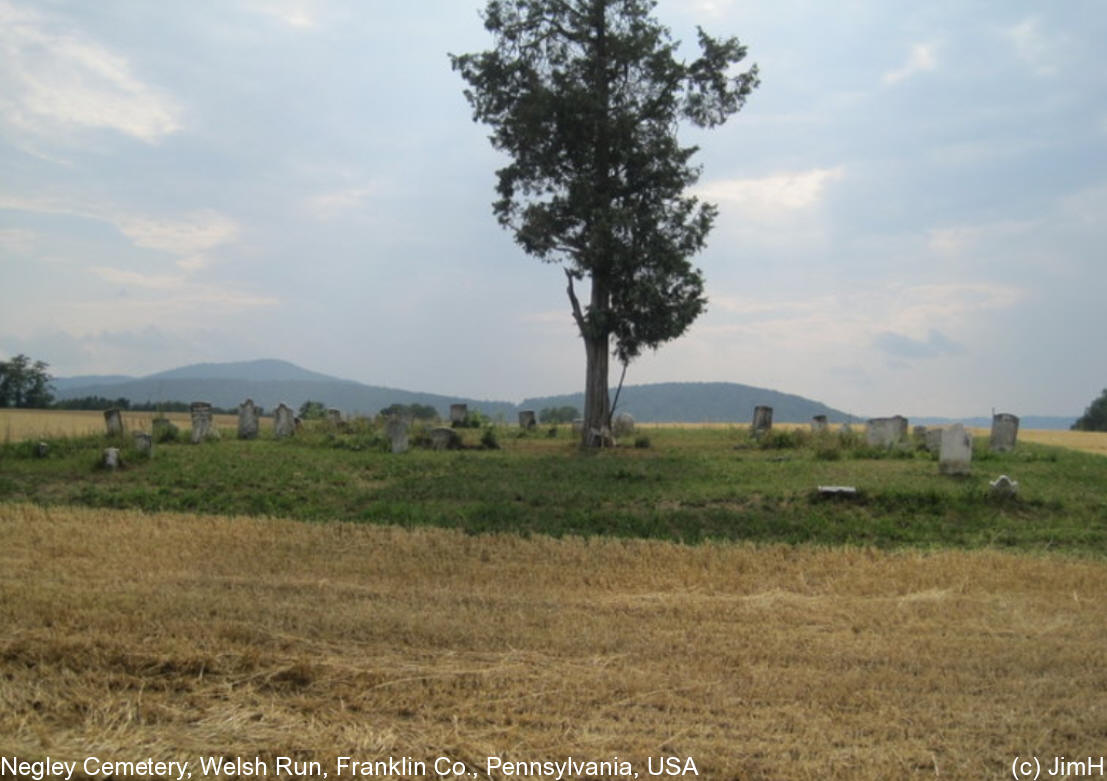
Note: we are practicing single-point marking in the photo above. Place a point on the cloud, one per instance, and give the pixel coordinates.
(900, 346)
(333, 204)
(57, 79)
(778, 192)
(16, 240)
(300, 14)
(1039, 51)
(150, 281)
(920, 60)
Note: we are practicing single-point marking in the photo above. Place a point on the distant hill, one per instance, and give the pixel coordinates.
(700, 402)
(1051, 422)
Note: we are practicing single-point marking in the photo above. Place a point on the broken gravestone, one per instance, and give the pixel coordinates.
(886, 432)
(202, 427)
(1005, 432)
(527, 420)
(144, 444)
(819, 424)
(247, 420)
(623, 425)
(458, 414)
(396, 430)
(284, 424)
(955, 455)
(113, 420)
(762, 420)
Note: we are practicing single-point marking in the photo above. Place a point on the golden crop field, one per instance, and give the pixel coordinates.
(174, 636)
(20, 424)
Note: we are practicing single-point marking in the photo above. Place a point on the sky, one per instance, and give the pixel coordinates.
(912, 206)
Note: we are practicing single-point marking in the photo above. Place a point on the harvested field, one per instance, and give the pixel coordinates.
(17, 425)
(175, 636)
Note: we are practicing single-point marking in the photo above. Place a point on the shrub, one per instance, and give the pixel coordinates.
(642, 441)
(165, 430)
(488, 439)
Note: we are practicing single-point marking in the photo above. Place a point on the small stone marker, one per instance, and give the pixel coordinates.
(886, 432)
(623, 425)
(396, 430)
(819, 424)
(144, 443)
(527, 419)
(762, 420)
(1003, 487)
(201, 422)
(444, 438)
(247, 420)
(111, 458)
(830, 491)
(458, 414)
(113, 420)
(955, 455)
(1005, 432)
(284, 424)
(42, 449)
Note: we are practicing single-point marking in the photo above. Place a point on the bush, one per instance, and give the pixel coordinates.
(165, 430)
(642, 442)
(488, 439)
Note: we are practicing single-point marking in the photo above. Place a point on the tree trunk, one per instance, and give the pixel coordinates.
(594, 431)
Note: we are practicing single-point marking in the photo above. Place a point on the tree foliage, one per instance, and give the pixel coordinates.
(564, 414)
(312, 410)
(585, 97)
(413, 411)
(1095, 416)
(25, 384)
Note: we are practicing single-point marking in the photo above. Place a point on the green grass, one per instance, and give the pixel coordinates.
(688, 485)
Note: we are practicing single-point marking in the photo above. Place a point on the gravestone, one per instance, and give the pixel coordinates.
(623, 425)
(1005, 432)
(111, 458)
(202, 427)
(444, 438)
(886, 432)
(458, 414)
(144, 444)
(247, 420)
(819, 424)
(396, 430)
(762, 420)
(113, 420)
(955, 455)
(42, 449)
(932, 439)
(283, 421)
(334, 416)
(1003, 487)
(527, 420)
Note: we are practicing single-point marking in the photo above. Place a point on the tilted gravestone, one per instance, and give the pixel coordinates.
(955, 456)
(527, 419)
(458, 414)
(1005, 432)
(202, 427)
(284, 424)
(396, 430)
(247, 420)
(113, 420)
(818, 424)
(144, 444)
(886, 432)
(444, 438)
(623, 425)
(762, 420)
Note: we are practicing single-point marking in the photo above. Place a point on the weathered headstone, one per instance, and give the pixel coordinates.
(284, 424)
(762, 420)
(623, 425)
(202, 427)
(334, 416)
(113, 420)
(527, 419)
(1005, 432)
(1003, 487)
(42, 449)
(933, 439)
(886, 432)
(818, 424)
(458, 414)
(444, 438)
(110, 458)
(144, 443)
(247, 420)
(955, 456)
(396, 430)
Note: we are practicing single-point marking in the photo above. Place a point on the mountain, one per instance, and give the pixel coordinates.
(697, 402)
(264, 370)
(1052, 422)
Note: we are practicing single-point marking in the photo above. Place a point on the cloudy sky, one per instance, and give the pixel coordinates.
(912, 206)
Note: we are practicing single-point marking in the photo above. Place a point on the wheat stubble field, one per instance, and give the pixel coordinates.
(131, 632)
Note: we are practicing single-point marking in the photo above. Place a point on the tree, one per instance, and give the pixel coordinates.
(1095, 416)
(565, 414)
(585, 97)
(25, 384)
(312, 410)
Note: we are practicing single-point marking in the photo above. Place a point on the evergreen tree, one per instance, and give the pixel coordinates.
(1095, 416)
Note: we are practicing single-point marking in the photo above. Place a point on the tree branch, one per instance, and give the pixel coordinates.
(577, 314)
